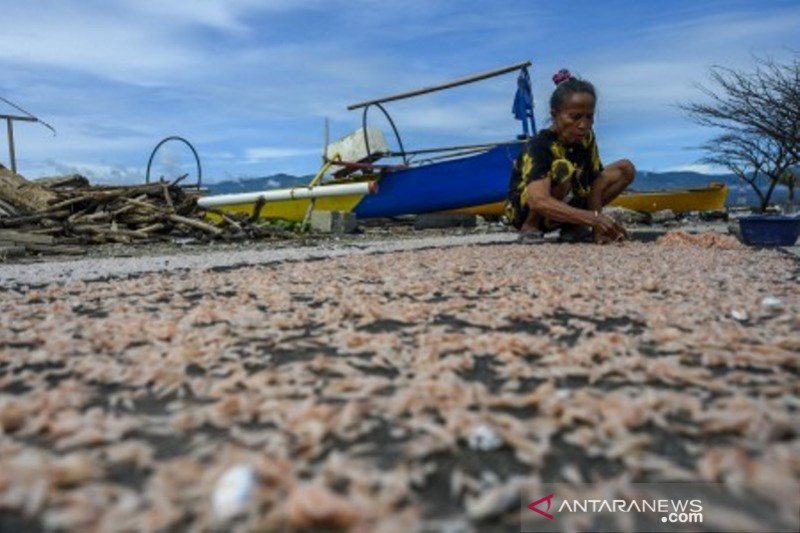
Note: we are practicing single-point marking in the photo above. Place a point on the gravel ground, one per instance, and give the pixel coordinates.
(198, 258)
(419, 385)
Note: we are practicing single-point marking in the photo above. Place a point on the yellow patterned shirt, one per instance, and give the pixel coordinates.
(544, 157)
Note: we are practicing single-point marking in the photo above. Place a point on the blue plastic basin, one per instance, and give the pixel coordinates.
(770, 230)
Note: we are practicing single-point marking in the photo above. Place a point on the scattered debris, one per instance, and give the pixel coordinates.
(771, 303)
(233, 493)
(713, 215)
(484, 438)
(660, 217)
(740, 314)
(626, 216)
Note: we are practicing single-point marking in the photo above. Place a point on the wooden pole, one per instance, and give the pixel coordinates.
(11, 155)
(10, 130)
(446, 85)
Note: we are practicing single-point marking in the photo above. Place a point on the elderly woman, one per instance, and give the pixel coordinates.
(558, 181)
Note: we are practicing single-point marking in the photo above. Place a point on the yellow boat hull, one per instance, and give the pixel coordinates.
(711, 198)
(494, 209)
(292, 210)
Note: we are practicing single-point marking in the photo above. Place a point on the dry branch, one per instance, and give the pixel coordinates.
(194, 223)
(125, 214)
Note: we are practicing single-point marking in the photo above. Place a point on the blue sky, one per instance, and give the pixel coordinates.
(249, 82)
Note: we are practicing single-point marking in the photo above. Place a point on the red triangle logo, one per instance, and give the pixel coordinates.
(548, 499)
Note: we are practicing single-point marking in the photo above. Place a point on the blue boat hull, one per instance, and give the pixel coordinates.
(469, 181)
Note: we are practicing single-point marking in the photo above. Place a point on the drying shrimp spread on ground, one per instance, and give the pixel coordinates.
(405, 391)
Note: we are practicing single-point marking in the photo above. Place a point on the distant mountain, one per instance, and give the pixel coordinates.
(740, 192)
(276, 181)
(647, 181)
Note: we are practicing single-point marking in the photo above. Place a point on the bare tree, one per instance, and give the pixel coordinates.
(759, 113)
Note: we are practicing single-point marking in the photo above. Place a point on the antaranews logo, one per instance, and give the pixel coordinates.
(680, 511)
(651, 507)
(534, 506)
(547, 512)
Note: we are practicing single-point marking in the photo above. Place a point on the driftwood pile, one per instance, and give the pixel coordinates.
(62, 215)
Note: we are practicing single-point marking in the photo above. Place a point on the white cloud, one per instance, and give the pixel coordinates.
(225, 15)
(699, 168)
(140, 42)
(670, 59)
(96, 173)
(104, 44)
(259, 154)
(35, 141)
(451, 118)
(719, 31)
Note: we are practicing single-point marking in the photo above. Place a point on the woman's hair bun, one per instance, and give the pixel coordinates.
(561, 76)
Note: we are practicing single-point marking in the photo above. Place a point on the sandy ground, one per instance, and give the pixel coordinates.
(126, 261)
(416, 385)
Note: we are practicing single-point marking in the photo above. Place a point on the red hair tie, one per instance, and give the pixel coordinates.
(561, 76)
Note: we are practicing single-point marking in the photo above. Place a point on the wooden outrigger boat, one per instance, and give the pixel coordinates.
(448, 178)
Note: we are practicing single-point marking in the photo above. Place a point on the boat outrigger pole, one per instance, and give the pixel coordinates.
(447, 85)
(522, 108)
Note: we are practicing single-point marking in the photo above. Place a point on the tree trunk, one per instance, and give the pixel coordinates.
(773, 181)
(754, 185)
(22, 193)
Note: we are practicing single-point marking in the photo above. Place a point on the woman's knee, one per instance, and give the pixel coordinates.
(627, 170)
(618, 172)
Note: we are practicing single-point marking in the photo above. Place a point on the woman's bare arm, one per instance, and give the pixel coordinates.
(542, 202)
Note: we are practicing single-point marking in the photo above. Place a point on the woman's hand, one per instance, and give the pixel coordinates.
(606, 229)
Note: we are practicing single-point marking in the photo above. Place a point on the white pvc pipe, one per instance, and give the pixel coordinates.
(344, 189)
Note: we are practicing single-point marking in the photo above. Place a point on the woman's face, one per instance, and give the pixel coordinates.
(573, 122)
